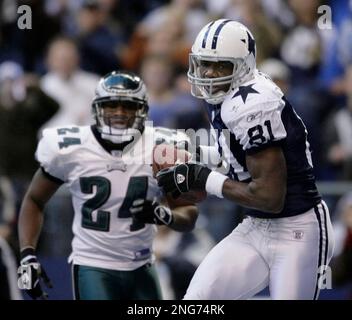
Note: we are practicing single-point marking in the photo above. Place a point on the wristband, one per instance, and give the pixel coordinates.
(215, 183)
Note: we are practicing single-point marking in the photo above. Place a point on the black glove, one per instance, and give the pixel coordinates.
(147, 211)
(183, 178)
(31, 272)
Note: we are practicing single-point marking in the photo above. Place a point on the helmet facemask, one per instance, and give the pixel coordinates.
(108, 125)
(123, 90)
(208, 88)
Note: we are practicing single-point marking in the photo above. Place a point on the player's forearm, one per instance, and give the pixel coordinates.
(184, 218)
(252, 195)
(30, 223)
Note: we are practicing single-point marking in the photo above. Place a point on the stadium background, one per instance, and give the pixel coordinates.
(48, 74)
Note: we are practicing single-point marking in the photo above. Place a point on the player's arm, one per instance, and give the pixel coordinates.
(29, 226)
(261, 139)
(267, 189)
(30, 221)
(265, 192)
(167, 212)
(184, 216)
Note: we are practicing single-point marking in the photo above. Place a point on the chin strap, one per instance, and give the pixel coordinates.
(119, 135)
(117, 139)
(216, 100)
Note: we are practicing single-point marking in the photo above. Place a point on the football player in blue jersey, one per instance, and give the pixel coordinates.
(286, 240)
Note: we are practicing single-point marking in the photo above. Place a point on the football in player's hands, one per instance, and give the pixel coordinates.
(166, 156)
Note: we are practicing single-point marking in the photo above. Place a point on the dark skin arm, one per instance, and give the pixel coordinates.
(185, 214)
(30, 221)
(267, 190)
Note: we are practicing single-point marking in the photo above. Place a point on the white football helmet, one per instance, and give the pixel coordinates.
(128, 88)
(221, 41)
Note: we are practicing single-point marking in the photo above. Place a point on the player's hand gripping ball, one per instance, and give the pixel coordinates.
(166, 156)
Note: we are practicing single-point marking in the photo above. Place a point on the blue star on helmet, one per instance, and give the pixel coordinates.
(244, 91)
(251, 43)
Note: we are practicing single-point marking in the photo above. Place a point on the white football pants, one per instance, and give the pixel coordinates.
(288, 254)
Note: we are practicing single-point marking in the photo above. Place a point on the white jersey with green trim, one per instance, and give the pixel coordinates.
(103, 186)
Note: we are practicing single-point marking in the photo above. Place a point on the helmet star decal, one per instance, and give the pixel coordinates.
(251, 44)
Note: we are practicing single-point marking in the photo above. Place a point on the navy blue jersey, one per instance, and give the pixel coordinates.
(256, 116)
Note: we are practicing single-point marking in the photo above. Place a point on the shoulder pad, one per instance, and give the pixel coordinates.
(257, 121)
(56, 144)
(65, 139)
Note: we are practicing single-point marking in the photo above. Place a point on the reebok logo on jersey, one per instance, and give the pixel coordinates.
(298, 234)
(234, 108)
(180, 178)
(254, 116)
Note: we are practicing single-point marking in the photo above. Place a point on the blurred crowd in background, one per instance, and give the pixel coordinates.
(48, 75)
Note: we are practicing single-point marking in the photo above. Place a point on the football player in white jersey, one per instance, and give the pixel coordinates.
(286, 240)
(107, 168)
